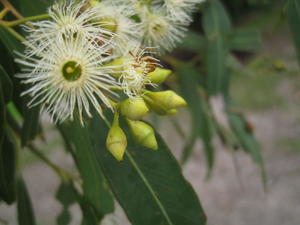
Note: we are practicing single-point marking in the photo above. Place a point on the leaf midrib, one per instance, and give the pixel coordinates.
(152, 192)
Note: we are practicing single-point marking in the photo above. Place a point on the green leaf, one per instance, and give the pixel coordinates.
(294, 21)
(7, 170)
(66, 195)
(193, 41)
(6, 83)
(9, 41)
(201, 123)
(148, 184)
(245, 40)
(32, 8)
(30, 127)
(89, 215)
(242, 130)
(2, 114)
(217, 27)
(94, 186)
(24, 207)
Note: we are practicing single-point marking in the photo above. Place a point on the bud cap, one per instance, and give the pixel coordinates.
(143, 134)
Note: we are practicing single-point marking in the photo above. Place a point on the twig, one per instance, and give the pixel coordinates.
(11, 8)
(3, 13)
(24, 20)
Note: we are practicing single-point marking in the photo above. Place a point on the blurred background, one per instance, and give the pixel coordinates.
(265, 83)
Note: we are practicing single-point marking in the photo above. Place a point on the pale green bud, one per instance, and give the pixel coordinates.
(134, 109)
(164, 102)
(94, 3)
(143, 134)
(172, 112)
(159, 75)
(116, 141)
(117, 67)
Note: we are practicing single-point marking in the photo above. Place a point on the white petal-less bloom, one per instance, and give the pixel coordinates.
(119, 14)
(137, 64)
(180, 10)
(67, 20)
(67, 80)
(160, 30)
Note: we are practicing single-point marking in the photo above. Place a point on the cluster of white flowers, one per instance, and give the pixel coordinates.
(70, 61)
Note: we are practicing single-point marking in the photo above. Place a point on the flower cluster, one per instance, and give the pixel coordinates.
(90, 54)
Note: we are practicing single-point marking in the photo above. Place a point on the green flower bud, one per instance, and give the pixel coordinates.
(143, 134)
(172, 112)
(159, 75)
(109, 24)
(94, 2)
(134, 109)
(164, 102)
(117, 65)
(116, 141)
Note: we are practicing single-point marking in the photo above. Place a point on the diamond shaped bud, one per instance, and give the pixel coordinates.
(159, 75)
(164, 102)
(134, 109)
(116, 141)
(143, 134)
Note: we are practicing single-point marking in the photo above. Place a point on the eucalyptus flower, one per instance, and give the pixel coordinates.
(68, 78)
(136, 65)
(116, 17)
(160, 30)
(179, 10)
(68, 19)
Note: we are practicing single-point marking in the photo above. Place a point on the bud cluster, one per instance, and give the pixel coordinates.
(90, 54)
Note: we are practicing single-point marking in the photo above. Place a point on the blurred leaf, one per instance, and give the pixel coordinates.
(294, 21)
(217, 27)
(31, 116)
(193, 41)
(89, 215)
(30, 127)
(201, 124)
(94, 185)
(9, 41)
(32, 8)
(243, 132)
(216, 20)
(66, 195)
(24, 207)
(7, 170)
(6, 83)
(245, 40)
(148, 184)
(2, 114)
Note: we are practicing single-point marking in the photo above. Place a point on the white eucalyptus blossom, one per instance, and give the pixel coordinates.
(68, 79)
(160, 30)
(180, 10)
(137, 64)
(67, 20)
(118, 16)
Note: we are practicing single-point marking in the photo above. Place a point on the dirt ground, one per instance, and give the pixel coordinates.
(230, 197)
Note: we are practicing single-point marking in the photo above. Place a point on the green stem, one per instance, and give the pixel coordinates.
(3, 13)
(64, 175)
(177, 127)
(27, 19)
